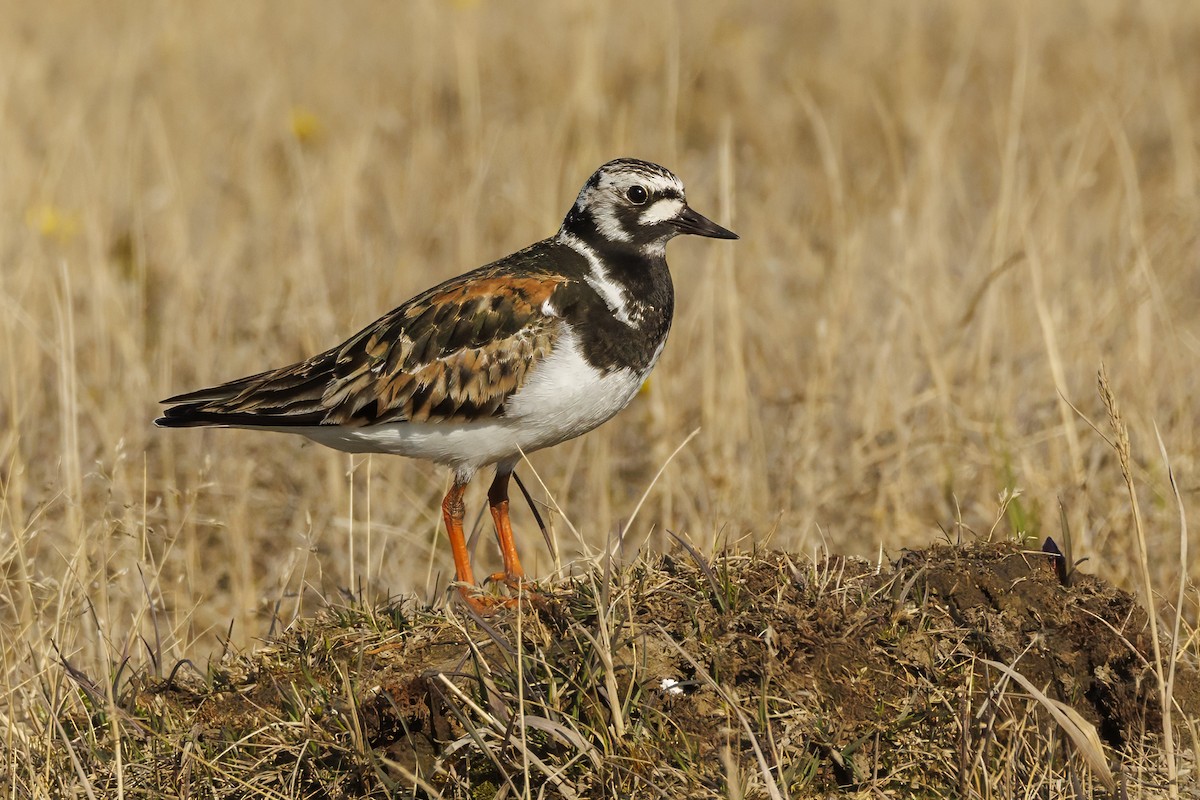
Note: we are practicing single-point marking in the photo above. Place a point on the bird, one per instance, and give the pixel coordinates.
(521, 354)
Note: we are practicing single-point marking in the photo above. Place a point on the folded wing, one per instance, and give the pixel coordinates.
(453, 354)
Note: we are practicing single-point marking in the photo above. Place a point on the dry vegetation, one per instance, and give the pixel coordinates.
(951, 214)
(754, 674)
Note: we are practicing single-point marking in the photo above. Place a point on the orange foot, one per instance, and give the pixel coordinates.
(514, 581)
(487, 604)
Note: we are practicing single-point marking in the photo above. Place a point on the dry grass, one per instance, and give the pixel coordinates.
(951, 214)
(750, 674)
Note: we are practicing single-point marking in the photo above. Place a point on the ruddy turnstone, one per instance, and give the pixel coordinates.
(523, 353)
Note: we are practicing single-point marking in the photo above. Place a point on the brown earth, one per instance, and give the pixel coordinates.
(843, 676)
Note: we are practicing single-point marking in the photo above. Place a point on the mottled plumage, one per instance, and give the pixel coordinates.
(452, 354)
(529, 351)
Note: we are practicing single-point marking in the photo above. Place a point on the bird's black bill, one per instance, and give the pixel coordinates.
(689, 221)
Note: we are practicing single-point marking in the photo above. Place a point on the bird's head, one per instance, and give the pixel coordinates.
(637, 204)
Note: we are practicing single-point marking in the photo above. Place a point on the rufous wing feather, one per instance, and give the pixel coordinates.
(455, 353)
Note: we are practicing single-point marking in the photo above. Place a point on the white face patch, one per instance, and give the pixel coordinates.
(661, 211)
(607, 223)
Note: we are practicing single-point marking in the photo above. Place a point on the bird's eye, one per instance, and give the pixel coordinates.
(637, 195)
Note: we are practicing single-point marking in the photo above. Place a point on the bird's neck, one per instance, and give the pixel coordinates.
(635, 272)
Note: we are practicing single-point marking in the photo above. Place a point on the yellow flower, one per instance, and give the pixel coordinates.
(306, 125)
(52, 222)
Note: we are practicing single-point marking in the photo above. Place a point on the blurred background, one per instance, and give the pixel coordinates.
(951, 215)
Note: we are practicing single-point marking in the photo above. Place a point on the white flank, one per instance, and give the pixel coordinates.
(563, 397)
(598, 279)
(661, 211)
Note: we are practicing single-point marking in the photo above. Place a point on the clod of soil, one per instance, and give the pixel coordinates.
(680, 677)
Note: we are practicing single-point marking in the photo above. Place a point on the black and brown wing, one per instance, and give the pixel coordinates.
(454, 354)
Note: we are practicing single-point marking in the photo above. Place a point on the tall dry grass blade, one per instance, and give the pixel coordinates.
(1081, 732)
(642, 500)
(71, 465)
(583, 545)
(1168, 708)
(1054, 357)
(1121, 433)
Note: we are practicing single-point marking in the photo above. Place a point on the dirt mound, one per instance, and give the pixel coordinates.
(1087, 645)
(678, 676)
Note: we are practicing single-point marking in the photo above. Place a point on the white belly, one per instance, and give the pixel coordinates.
(562, 398)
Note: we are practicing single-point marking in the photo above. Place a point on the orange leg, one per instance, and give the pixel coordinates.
(453, 509)
(513, 574)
